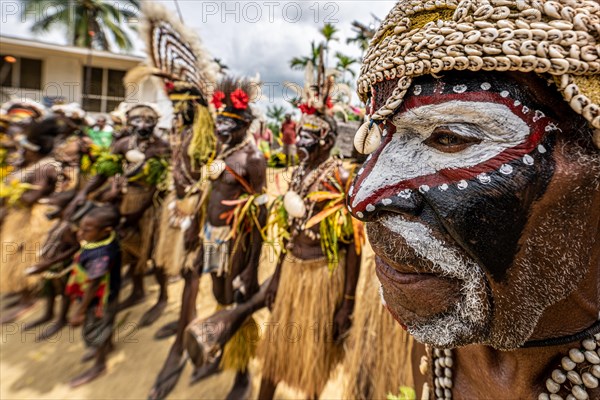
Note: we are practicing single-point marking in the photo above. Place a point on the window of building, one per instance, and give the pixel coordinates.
(103, 89)
(20, 72)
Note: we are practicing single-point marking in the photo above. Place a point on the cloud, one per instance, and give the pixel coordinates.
(249, 36)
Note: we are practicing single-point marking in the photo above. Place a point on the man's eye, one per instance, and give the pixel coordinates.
(449, 142)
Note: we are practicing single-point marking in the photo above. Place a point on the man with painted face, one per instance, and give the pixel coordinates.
(140, 159)
(37, 175)
(235, 214)
(314, 285)
(481, 193)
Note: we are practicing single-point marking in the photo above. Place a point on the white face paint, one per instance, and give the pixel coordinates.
(406, 156)
(471, 311)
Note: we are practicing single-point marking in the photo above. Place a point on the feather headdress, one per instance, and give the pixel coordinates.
(175, 54)
(316, 103)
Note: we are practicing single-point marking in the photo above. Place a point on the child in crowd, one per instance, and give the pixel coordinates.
(95, 281)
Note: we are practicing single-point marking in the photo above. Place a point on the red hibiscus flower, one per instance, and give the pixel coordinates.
(217, 99)
(240, 99)
(169, 86)
(306, 109)
(329, 103)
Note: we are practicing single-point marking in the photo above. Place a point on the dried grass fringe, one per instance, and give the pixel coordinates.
(300, 350)
(23, 235)
(240, 349)
(169, 253)
(138, 242)
(379, 358)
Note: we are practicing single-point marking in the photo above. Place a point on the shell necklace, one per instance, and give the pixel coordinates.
(216, 168)
(295, 200)
(578, 372)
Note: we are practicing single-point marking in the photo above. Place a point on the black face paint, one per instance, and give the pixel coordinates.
(230, 129)
(308, 143)
(142, 125)
(484, 208)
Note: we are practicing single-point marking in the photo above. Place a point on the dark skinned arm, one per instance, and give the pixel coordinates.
(44, 181)
(45, 265)
(273, 286)
(95, 183)
(257, 179)
(342, 321)
(68, 247)
(79, 315)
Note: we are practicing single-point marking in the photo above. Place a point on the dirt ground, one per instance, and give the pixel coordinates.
(30, 370)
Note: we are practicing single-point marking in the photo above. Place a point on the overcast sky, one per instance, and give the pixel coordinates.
(248, 36)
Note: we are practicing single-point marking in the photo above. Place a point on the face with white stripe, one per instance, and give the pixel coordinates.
(449, 198)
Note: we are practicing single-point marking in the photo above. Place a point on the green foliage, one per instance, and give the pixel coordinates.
(154, 171)
(89, 22)
(107, 164)
(406, 393)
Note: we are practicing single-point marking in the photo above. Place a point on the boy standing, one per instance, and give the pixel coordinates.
(95, 280)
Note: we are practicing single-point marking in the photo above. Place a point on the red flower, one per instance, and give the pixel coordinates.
(328, 103)
(169, 86)
(217, 99)
(240, 99)
(306, 109)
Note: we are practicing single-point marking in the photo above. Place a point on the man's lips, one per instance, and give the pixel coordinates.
(413, 297)
(403, 275)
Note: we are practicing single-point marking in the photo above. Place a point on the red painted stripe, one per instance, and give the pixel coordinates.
(450, 175)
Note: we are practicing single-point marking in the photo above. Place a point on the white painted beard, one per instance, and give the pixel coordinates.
(464, 323)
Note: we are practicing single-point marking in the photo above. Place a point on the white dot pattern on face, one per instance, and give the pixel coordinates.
(538, 115)
(405, 194)
(459, 88)
(484, 178)
(505, 169)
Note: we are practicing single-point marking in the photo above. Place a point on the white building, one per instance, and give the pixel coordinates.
(48, 72)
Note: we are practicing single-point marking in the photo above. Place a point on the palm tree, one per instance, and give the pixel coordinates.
(328, 31)
(300, 63)
(344, 63)
(364, 33)
(90, 22)
(276, 113)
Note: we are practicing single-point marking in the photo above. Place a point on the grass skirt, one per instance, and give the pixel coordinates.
(240, 349)
(378, 361)
(298, 348)
(169, 252)
(23, 234)
(137, 242)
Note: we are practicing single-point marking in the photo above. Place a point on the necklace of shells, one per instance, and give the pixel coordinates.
(217, 166)
(136, 154)
(295, 200)
(578, 372)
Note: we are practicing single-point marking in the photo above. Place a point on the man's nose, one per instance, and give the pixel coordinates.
(407, 202)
